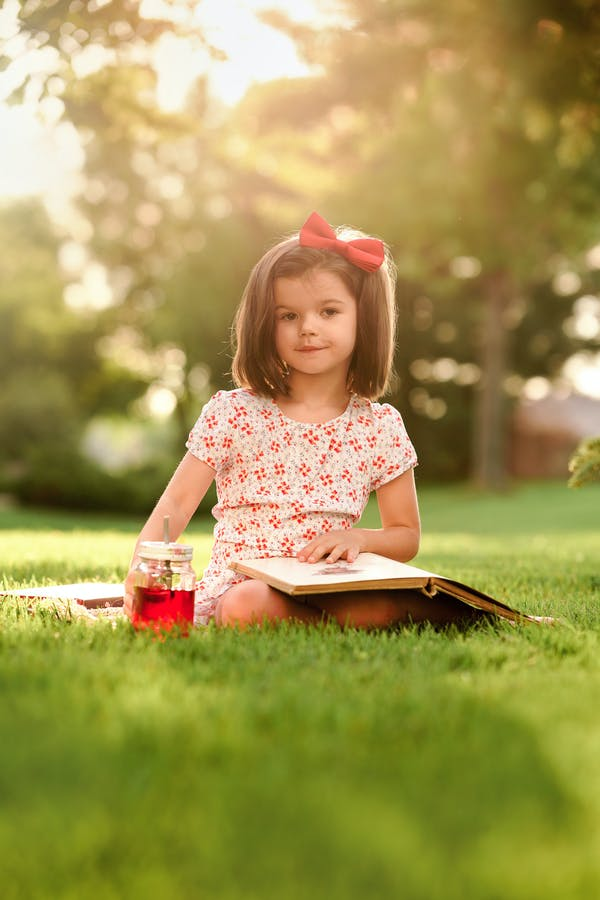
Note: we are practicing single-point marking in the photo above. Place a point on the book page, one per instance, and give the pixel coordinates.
(368, 567)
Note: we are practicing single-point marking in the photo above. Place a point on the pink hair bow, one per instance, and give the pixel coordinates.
(366, 253)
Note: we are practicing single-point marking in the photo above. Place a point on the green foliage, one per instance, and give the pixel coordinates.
(59, 476)
(310, 762)
(62, 477)
(454, 134)
(106, 24)
(46, 352)
(585, 463)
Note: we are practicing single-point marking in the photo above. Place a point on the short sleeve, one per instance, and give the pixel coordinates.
(394, 452)
(209, 440)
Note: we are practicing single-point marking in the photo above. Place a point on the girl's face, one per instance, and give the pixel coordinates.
(315, 323)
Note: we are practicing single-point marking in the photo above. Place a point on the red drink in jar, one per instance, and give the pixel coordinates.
(163, 608)
(165, 587)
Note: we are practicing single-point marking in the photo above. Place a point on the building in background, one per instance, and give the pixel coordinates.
(545, 433)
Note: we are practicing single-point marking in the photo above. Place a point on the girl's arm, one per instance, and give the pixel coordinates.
(179, 501)
(398, 538)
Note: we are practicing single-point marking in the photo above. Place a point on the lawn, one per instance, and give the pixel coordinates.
(296, 763)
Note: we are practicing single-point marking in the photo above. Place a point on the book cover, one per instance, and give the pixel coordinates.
(90, 594)
(369, 572)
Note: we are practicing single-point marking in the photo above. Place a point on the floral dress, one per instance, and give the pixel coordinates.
(280, 482)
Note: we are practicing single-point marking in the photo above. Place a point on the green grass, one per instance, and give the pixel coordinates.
(294, 763)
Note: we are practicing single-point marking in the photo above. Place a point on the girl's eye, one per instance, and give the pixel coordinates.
(287, 317)
(329, 312)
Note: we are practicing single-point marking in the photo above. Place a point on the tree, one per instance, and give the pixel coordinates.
(157, 222)
(45, 351)
(169, 214)
(468, 134)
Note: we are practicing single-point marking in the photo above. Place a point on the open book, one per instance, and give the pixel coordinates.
(91, 594)
(371, 572)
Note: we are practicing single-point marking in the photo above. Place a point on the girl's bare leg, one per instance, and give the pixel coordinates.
(253, 602)
(381, 609)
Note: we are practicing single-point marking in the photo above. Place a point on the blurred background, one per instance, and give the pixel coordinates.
(151, 151)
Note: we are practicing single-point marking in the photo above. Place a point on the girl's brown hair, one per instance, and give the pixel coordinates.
(256, 364)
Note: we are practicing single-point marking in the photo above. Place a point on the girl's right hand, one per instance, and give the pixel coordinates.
(128, 595)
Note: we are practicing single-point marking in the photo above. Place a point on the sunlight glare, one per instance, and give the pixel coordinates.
(34, 161)
(35, 157)
(159, 402)
(92, 291)
(254, 51)
(582, 371)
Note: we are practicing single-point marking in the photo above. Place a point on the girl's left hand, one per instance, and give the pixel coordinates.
(333, 545)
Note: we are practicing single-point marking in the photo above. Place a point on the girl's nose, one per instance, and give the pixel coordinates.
(307, 325)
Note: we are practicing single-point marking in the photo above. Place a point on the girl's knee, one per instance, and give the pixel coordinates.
(246, 603)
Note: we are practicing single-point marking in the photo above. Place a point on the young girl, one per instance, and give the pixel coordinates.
(298, 447)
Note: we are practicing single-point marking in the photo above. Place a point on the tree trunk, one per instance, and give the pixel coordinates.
(489, 444)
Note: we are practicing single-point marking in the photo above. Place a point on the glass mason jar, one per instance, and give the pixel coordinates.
(165, 586)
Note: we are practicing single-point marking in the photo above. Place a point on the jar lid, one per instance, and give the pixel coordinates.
(162, 550)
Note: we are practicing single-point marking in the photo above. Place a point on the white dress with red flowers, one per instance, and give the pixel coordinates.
(280, 482)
